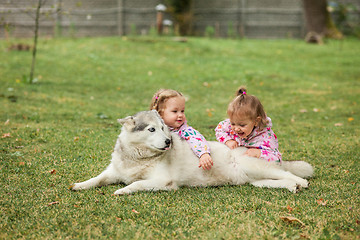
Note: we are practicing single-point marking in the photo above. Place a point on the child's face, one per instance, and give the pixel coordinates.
(174, 112)
(243, 126)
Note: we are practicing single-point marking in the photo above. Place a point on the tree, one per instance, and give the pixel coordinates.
(36, 34)
(182, 12)
(319, 22)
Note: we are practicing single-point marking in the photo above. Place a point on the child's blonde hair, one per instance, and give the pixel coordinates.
(161, 96)
(249, 106)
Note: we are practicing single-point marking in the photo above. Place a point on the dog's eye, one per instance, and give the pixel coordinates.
(152, 129)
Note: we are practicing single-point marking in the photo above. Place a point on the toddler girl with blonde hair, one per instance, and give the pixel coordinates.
(170, 104)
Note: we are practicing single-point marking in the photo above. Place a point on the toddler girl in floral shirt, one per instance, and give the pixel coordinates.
(170, 104)
(249, 126)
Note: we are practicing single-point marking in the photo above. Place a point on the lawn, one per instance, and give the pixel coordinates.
(62, 129)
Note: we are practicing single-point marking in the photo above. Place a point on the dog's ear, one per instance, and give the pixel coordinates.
(128, 122)
(158, 115)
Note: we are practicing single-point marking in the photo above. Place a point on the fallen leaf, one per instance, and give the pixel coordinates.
(134, 211)
(289, 208)
(292, 219)
(53, 171)
(76, 139)
(303, 110)
(206, 84)
(6, 135)
(338, 124)
(21, 163)
(316, 110)
(7, 122)
(53, 203)
(118, 219)
(321, 202)
(350, 119)
(209, 111)
(304, 236)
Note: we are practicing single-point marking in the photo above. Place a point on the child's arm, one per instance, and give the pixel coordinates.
(267, 154)
(231, 144)
(222, 133)
(270, 154)
(253, 152)
(265, 146)
(206, 161)
(198, 145)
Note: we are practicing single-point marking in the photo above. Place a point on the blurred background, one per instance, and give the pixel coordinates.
(211, 18)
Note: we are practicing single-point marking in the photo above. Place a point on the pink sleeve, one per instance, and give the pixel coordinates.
(270, 155)
(269, 147)
(197, 142)
(222, 131)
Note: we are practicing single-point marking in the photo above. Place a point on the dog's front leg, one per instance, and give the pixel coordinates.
(105, 178)
(147, 185)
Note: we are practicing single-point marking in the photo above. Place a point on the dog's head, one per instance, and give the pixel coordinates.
(147, 129)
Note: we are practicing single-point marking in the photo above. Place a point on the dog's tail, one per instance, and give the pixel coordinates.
(299, 168)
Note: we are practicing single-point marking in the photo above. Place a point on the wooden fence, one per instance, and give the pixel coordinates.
(226, 18)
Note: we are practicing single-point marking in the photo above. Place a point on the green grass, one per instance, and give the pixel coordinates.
(63, 129)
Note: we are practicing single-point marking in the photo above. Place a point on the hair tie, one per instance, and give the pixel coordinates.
(244, 93)
(157, 97)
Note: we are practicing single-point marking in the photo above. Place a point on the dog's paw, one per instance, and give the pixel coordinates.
(122, 191)
(304, 183)
(76, 187)
(294, 188)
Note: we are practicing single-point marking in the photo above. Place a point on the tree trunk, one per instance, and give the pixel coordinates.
(36, 33)
(318, 20)
(315, 14)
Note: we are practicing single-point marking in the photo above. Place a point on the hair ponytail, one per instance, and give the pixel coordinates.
(241, 91)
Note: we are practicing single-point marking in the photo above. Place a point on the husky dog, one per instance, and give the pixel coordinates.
(147, 157)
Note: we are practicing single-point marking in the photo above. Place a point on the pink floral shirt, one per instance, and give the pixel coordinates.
(264, 140)
(197, 142)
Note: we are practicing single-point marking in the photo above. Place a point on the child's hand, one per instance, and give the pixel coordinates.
(253, 152)
(231, 144)
(205, 161)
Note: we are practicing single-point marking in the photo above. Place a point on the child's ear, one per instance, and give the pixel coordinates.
(257, 121)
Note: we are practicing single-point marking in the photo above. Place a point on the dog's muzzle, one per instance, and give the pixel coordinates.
(167, 144)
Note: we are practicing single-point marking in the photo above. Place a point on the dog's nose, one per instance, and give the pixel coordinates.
(167, 142)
